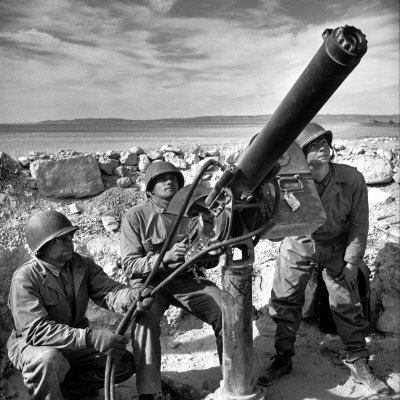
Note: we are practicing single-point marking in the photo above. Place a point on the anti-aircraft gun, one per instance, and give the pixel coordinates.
(268, 194)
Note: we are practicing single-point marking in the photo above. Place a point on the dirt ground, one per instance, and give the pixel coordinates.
(189, 350)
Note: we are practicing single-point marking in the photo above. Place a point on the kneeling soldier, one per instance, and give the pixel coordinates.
(58, 354)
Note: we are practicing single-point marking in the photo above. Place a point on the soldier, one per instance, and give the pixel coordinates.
(144, 229)
(337, 247)
(59, 355)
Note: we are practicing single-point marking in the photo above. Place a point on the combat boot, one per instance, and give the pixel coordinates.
(281, 365)
(362, 373)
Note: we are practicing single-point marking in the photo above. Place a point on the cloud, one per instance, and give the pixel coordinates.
(177, 58)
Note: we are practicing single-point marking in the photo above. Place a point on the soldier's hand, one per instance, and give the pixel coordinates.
(176, 253)
(148, 300)
(107, 342)
(349, 274)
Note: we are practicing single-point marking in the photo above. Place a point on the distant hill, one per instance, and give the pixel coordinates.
(118, 124)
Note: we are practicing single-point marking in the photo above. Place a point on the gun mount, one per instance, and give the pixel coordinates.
(268, 194)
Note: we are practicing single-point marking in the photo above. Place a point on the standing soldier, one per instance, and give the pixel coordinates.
(144, 229)
(337, 247)
(52, 344)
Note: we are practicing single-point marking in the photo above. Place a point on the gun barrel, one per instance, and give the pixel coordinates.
(340, 53)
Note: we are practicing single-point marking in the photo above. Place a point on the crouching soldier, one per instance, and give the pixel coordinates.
(58, 354)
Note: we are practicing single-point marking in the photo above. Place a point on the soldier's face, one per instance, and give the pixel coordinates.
(318, 152)
(165, 186)
(59, 250)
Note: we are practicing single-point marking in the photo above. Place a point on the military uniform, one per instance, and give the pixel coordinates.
(144, 229)
(341, 239)
(48, 344)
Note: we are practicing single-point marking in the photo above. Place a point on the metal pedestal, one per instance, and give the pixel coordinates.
(237, 362)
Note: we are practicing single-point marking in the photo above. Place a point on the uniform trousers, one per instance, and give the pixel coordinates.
(200, 298)
(47, 372)
(298, 256)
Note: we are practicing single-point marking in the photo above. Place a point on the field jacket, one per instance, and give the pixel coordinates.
(42, 313)
(345, 201)
(144, 230)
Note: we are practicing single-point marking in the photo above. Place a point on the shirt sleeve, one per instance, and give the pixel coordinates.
(106, 292)
(32, 320)
(136, 261)
(358, 221)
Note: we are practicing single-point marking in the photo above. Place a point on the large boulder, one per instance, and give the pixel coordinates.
(385, 290)
(375, 170)
(73, 177)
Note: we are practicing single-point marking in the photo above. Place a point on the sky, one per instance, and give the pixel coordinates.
(150, 59)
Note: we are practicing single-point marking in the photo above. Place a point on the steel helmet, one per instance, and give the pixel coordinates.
(311, 132)
(45, 226)
(160, 168)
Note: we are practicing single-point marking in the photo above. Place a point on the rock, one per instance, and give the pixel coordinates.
(75, 208)
(374, 169)
(386, 154)
(34, 155)
(332, 344)
(113, 154)
(143, 162)
(232, 156)
(128, 159)
(75, 177)
(197, 150)
(179, 390)
(168, 148)
(107, 164)
(8, 166)
(191, 158)
(125, 171)
(175, 160)
(213, 153)
(136, 150)
(24, 161)
(155, 155)
(385, 289)
(339, 147)
(378, 196)
(124, 182)
(110, 223)
(389, 320)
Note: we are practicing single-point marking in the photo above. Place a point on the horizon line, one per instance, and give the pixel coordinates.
(185, 118)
